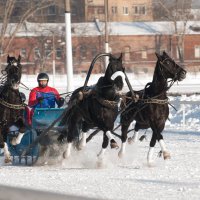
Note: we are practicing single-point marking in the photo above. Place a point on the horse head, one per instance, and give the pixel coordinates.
(115, 72)
(169, 68)
(13, 71)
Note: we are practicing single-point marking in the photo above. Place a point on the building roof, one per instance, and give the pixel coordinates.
(114, 28)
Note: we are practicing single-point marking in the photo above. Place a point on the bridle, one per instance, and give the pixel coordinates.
(6, 83)
(162, 63)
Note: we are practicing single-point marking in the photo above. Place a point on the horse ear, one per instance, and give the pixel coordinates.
(111, 57)
(19, 58)
(165, 54)
(8, 58)
(120, 57)
(158, 56)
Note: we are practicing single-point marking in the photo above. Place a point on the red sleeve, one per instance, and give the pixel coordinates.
(32, 98)
(57, 95)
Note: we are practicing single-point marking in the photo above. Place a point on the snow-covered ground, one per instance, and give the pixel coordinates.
(128, 178)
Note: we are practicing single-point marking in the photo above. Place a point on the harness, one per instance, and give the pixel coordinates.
(106, 103)
(12, 106)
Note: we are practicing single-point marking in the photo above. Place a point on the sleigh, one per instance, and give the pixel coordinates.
(41, 120)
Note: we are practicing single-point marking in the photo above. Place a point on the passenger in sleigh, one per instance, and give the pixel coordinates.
(43, 96)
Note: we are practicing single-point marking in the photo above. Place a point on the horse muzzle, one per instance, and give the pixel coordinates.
(182, 75)
(15, 86)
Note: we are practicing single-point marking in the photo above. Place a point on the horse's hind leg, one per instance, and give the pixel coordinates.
(7, 154)
(82, 142)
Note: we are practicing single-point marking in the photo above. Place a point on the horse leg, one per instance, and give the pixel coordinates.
(166, 154)
(151, 149)
(123, 139)
(67, 152)
(100, 155)
(73, 133)
(82, 142)
(17, 140)
(18, 127)
(7, 154)
(158, 131)
(134, 138)
(113, 143)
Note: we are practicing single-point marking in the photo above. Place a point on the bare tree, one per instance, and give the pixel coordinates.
(9, 7)
(178, 12)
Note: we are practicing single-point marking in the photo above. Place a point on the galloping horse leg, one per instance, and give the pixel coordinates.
(6, 154)
(82, 142)
(85, 129)
(113, 143)
(123, 138)
(151, 149)
(17, 140)
(72, 137)
(21, 128)
(67, 153)
(166, 154)
(134, 138)
(104, 146)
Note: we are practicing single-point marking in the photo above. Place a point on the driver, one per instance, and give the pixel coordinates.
(44, 96)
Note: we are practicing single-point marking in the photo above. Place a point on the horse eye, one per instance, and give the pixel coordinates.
(168, 62)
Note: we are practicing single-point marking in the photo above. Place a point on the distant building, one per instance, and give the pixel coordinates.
(119, 10)
(82, 11)
(138, 41)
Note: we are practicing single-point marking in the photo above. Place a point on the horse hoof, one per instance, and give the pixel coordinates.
(8, 160)
(166, 155)
(120, 155)
(66, 155)
(100, 163)
(79, 147)
(130, 140)
(150, 164)
(114, 145)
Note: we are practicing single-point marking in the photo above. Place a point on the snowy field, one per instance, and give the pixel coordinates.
(129, 178)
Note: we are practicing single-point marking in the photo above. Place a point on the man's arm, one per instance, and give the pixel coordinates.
(32, 98)
(59, 100)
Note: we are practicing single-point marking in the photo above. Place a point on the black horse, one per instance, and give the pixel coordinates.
(152, 110)
(96, 106)
(11, 105)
